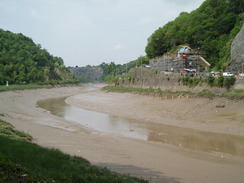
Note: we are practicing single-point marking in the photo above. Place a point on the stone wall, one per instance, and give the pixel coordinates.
(167, 81)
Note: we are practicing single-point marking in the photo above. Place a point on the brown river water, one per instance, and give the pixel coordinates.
(176, 136)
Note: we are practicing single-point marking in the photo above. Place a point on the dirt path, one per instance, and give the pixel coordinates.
(155, 161)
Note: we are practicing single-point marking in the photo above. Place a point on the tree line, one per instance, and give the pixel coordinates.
(23, 61)
(210, 30)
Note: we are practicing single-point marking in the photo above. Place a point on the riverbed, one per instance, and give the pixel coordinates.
(160, 140)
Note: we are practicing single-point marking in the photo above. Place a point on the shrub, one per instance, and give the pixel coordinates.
(229, 82)
(210, 80)
(206, 93)
(220, 81)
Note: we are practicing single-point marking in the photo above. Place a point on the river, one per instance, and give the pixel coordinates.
(177, 136)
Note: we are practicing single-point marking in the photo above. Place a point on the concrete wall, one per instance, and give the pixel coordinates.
(168, 81)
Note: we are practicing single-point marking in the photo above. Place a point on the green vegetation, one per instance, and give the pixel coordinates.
(227, 82)
(210, 29)
(22, 87)
(122, 89)
(24, 162)
(22, 61)
(191, 82)
(206, 94)
(235, 94)
(8, 130)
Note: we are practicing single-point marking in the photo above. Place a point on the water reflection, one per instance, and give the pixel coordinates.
(177, 136)
(95, 120)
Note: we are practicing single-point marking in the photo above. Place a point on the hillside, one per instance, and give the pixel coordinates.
(210, 29)
(23, 61)
(88, 73)
(101, 72)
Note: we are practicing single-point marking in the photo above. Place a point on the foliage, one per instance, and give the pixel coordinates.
(122, 89)
(13, 173)
(22, 87)
(22, 161)
(229, 82)
(210, 80)
(211, 28)
(207, 94)
(220, 81)
(22, 61)
(235, 94)
(226, 82)
(125, 68)
(142, 60)
(191, 82)
(111, 79)
(111, 69)
(7, 129)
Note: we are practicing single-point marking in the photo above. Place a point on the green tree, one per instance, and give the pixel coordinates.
(211, 28)
(21, 60)
(111, 69)
(142, 60)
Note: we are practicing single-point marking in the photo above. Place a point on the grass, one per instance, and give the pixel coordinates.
(235, 94)
(122, 89)
(8, 130)
(22, 87)
(23, 161)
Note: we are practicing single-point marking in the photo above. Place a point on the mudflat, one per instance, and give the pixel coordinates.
(155, 161)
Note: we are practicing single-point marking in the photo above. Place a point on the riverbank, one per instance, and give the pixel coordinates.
(219, 115)
(157, 162)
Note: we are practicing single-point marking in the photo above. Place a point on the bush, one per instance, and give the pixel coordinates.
(191, 82)
(206, 93)
(220, 81)
(229, 82)
(210, 80)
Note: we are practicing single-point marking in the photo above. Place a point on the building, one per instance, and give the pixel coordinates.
(186, 62)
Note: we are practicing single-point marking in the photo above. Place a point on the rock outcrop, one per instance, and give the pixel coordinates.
(237, 53)
(88, 73)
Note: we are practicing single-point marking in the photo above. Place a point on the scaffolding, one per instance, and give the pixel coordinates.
(191, 62)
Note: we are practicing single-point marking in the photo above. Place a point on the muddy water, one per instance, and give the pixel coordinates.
(177, 136)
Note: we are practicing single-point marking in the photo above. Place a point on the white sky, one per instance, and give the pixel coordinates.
(89, 32)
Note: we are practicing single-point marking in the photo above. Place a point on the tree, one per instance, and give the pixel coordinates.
(111, 69)
(203, 28)
(142, 60)
(21, 60)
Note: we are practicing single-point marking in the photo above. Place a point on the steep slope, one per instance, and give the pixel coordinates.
(237, 53)
(210, 29)
(23, 61)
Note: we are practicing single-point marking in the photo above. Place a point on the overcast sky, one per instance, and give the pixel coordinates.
(89, 32)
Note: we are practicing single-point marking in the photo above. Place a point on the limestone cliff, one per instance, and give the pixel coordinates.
(88, 73)
(237, 53)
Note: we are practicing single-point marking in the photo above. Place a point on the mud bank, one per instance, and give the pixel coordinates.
(154, 161)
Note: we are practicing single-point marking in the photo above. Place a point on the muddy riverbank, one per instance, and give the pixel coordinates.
(156, 161)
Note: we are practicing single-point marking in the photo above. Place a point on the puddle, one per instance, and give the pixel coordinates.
(177, 136)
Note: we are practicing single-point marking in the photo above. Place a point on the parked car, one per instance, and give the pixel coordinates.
(216, 74)
(240, 75)
(227, 74)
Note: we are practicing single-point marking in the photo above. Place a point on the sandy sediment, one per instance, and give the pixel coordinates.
(218, 115)
(157, 162)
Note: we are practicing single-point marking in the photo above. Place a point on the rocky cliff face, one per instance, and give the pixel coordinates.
(237, 53)
(88, 73)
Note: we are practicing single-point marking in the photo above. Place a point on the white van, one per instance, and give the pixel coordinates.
(227, 74)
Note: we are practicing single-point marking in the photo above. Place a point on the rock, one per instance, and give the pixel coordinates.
(237, 53)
